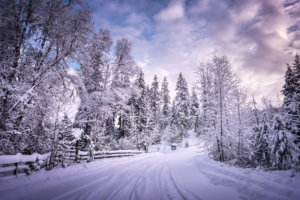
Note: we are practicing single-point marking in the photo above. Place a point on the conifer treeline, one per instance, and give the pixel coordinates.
(232, 129)
(40, 39)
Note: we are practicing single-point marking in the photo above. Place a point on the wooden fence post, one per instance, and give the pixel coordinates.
(15, 172)
(76, 152)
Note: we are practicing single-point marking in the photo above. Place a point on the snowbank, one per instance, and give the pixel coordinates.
(250, 183)
(7, 159)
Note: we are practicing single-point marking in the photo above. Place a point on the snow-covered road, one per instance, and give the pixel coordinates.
(182, 174)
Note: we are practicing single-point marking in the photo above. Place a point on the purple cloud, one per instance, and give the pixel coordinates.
(259, 37)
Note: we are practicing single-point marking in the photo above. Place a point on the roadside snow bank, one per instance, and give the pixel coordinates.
(7, 159)
(251, 183)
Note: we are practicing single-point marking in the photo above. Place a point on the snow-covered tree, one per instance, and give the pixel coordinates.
(155, 97)
(291, 102)
(39, 38)
(194, 110)
(65, 133)
(124, 68)
(205, 88)
(165, 112)
(285, 151)
(150, 132)
(140, 106)
(93, 113)
(242, 127)
(64, 141)
(217, 82)
(262, 149)
(269, 108)
(180, 114)
(172, 133)
(95, 62)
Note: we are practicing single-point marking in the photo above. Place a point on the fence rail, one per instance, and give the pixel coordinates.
(21, 165)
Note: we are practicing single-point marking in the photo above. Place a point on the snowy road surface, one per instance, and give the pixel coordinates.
(182, 174)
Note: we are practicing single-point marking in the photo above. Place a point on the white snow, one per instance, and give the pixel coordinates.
(119, 151)
(83, 153)
(7, 169)
(77, 132)
(7, 159)
(181, 174)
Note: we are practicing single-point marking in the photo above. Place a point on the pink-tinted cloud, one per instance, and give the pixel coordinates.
(259, 37)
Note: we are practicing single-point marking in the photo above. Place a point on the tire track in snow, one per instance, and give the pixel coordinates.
(149, 176)
(175, 185)
(135, 180)
(178, 185)
(98, 181)
(125, 170)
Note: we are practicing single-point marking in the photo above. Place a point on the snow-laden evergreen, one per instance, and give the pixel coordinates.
(181, 108)
(164, 118)
(194, 110)
(291, 102)
(155, 97)
(262, 155)
(285, 151)
(40, 40)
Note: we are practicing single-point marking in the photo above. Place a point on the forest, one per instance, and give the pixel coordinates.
(40, 41)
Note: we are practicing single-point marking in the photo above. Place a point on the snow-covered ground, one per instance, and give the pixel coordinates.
(182, 174)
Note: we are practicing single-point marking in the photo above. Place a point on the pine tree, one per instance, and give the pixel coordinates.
(93, 113)
(165, 113)
(284, 150)
(94, 61)
(66, 133)
(150, 132)
(262, 143)
(64, 142)
(194, 110)
(140, 106)
(172, 132)
(124, 68)
(182, 104)
(155, 97)
(291, 102)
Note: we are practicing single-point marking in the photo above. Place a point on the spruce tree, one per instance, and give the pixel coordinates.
(172, 131)
(262, 143)
(165, 113)
(64, 141)
(140, 106)
(66, 133)
(155, 97)
(194, 110)
(124, 68)
(291, 102)
(284, 150)
(150, 132)
(182, 105)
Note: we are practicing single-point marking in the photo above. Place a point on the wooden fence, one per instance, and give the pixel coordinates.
(21, 165)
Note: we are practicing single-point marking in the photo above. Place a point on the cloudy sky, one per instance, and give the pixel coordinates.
(258, 36)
